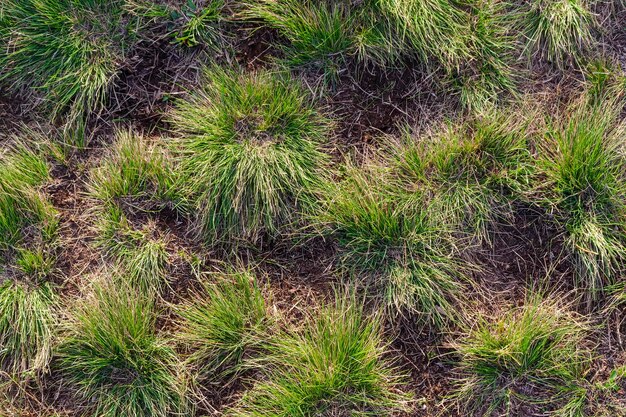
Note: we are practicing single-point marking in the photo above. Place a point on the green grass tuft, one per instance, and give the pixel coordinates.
(250, 155)
(335, 364)
(430, 29)
(115, 359)
(402, 253)
(28, 226)
(190, 23)
(223, 325)
(23, 169)
(584, 165)
(136, 170)
(471, 172)
(532, 354)
(558, 30)
(322, 34)
(27, 326)
(69, 50)
(488, 74)
(134, 178)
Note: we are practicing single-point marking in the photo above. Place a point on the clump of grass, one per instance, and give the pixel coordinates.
(23, 169)
(140, 252)
(584, 167)
(488, 74)
(325, 34)
(250, 155)
(330, 34)
(399, 251)
(136, 169)
(201, 24)
(70, 51)
(558, 30)
(471, 172)
(336, 364)
(433, 29)
(539, 347)
(135, 177)
(190, 24)
(27, 326)
(28, 225)
(114, 357)
(604, 79)
(223, 324)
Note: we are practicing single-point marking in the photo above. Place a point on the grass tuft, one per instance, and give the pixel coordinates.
(28, 225)
(70, 51)
(334, 365)
(488, 74)
(250, 155)
(431, 29)
(471, 172)
(23, 169)
(222, 325)
(532, 354)
(27, 326)
(115, 359)
(400, 252)
(136, 170)
(583, 162)
(558, 30)
(134, 178)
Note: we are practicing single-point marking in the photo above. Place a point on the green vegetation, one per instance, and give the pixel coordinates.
(27, 326)
(559, 30)
(538, 347)
(135, 169)
(185, 185)
(584, 168)
(118, 363)
(472, 171)
(135, 177)
(402, 251)
(190, 23)
(70, 50)
(250, 155)
(222, 325)
(334, 365)
(327, 34)
(23, 169)
(28, 224)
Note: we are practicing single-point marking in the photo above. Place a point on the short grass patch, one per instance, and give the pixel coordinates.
(558, 30)
(70, 51)
(250, 154)
(401, 253)
(335, 364)
(470, 172)
(28, 226)
(191, 24)
(27, 327)
(583, 163)
(134, 179)
(23, 170)
(223, 325)
(533, 355)
(113, 356)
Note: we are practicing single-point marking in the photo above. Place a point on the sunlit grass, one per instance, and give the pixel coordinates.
(250, 154)
(335, 364)
(539, 346)
(583, 162)
(401, 254)
(115, 359)
(223, 325)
